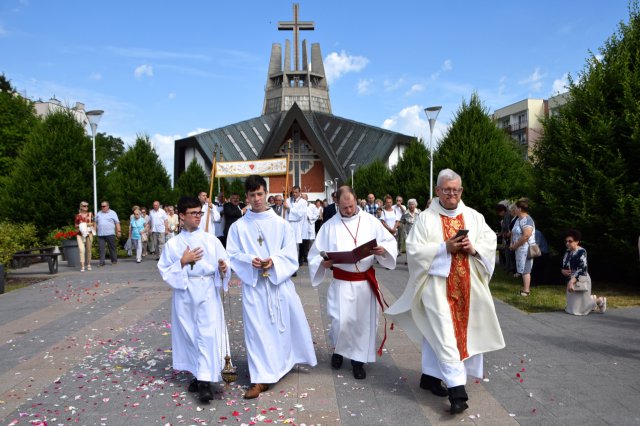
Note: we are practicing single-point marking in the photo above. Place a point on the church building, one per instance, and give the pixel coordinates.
(297, 120)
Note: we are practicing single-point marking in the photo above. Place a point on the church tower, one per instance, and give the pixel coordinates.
(304, 83)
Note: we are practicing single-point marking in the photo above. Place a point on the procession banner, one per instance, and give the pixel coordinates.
(269, 167)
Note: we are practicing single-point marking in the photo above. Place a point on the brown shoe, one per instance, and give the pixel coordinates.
(255, 389)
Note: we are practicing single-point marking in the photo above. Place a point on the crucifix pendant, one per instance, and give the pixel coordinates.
(260, 240)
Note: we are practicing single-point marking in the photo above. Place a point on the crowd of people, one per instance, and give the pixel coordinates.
(451, 256)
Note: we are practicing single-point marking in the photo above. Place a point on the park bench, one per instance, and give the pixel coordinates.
(28, 257)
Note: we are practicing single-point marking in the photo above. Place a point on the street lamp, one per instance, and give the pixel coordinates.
(352, 166)
(94, 118)
(432, 115)
(336, 186)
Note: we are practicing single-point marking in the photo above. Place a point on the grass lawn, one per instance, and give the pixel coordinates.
(546, 298)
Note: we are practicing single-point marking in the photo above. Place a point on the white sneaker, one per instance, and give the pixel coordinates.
(82, 269)
(603, 305)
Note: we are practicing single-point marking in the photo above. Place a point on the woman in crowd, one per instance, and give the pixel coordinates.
(173, 221)
(144, 237)
(389, 218)
(409, 217)
(84, 224)
(580, 301)
(318, 223)
(136, 227)
(522, 236)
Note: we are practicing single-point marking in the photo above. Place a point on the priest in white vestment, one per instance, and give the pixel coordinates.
(210, 214)
(195, 265)
(447, 305)
(262, 249)
(353, 295)
(296, 215)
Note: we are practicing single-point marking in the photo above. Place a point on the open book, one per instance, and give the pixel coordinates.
(353, 256)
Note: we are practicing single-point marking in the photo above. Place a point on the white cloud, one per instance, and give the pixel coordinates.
(534, 81)
(412, 121)
(390, 86)
(364, 86)
(143, 70)
(416, 88)
(163, 144)
(338, 64)
(3, 32)
(502, 85)
(599, 57)
(171, 96)
(447, 65)
(95, 76)
(560, 85)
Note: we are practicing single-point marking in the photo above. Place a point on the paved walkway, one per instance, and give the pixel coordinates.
(93, 348)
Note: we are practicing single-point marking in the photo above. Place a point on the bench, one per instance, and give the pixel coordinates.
(28, 257)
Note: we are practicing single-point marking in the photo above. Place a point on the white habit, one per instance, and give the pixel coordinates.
(296, 216)
(423, 310)
(309, 228)
(198, 328)
(213, 217)
(352, 305)
(277, 334)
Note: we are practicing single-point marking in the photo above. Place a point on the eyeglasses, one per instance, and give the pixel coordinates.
(84, 205)
(568, 241)
(451, 191)
(195, 214)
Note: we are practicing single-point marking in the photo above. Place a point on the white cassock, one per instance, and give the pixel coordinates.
(296, 216)
(276, 331)
(423, 310)
(198, 329)
(309, 228)
(352, 305)
(213, 215)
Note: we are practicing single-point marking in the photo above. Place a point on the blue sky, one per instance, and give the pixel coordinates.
(172, 69)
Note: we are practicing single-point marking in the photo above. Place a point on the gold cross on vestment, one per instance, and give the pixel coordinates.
(260, 239)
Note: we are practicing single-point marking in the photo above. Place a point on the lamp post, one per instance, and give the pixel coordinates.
(336, 185)
(352, 166)
(432, 115)
(94, 118)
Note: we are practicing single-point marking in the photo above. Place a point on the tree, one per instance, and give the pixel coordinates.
(48, 180)
(17, 119)
(490, 164)
(139, 178)
(374, 178)
(410, 171)
(192, 181)
(586, 164)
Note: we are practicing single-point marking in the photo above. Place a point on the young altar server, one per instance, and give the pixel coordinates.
(195, 264)
(262, 249)
(353, 292)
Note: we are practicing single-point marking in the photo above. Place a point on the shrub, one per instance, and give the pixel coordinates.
(15, 237)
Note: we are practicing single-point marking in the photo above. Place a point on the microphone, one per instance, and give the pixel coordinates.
(324, 255)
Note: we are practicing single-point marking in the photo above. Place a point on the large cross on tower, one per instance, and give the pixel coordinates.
(296, 26)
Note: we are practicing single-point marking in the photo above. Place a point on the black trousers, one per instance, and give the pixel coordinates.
(113, 251)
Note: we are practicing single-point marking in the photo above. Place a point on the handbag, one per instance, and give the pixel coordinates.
(534, 251)
(582, 284)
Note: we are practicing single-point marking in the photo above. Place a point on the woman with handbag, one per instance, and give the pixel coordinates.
(580, 301)
(84, 224)
(523, 241)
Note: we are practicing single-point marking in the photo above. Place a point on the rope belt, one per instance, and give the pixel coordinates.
(369, 276)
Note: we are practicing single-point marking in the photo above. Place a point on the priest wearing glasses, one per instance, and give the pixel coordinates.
(353, 295)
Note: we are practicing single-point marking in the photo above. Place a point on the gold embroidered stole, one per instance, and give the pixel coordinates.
(458, 285)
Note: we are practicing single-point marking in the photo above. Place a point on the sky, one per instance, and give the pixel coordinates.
(173, 69)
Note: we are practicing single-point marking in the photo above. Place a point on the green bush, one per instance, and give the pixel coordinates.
(15, 237)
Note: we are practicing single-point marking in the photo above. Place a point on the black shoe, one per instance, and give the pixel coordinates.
(193, 386)
(358, 370)
(433, 384)
(458, 399)
(336, 361)
(204, 391)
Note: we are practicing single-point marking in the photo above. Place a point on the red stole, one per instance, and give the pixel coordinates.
(458, 285)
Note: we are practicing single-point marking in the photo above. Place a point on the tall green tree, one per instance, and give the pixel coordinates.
(490, 164)
(192, 181)
(139, 178)
(586, 164)
(48, 180)
(17, 119)
(375, 178)
(411, 173)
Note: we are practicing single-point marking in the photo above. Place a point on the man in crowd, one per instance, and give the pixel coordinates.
(263, 254)
(232, 211)
(159, 227)
(195, 265)
(297, 212)
(330, 210)
(447, 305)
(399, 208)
(278, 206)
(354, 290)
(210, 216)
(108, 229)
(219, 223)
(371, 206)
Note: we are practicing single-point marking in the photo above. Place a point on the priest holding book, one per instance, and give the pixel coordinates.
(354, 292)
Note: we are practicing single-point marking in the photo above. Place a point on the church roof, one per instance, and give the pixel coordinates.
(338, 141)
